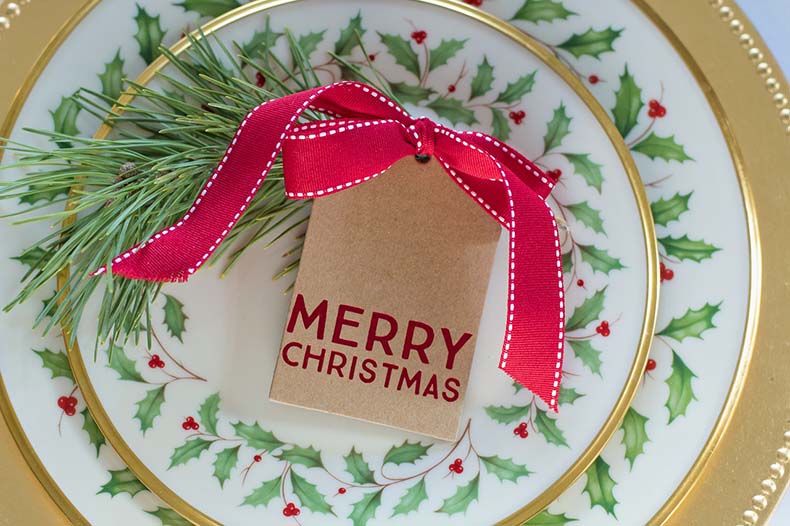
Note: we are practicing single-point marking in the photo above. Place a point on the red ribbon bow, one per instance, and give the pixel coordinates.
(373, 134)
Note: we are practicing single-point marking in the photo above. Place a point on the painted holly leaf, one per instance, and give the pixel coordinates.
(542, 11)
(634, 434)
(518, 387)
(545, 518)
(305, 456)
(309, 43)
(264, 493)
(49, 305)
(56, 362)
(43, 192)
(681, 392)
(64, 119)
(589, 170)
(406, 453)
(112, 78)
(588, 216)
(94, 435)
(169, 517)
(411, 501)
(441, 54)
(628, 104)
(189, 450)
(500, 125)
(411, 94)
(225, 462)
(348, 39)
(483, 79)
(600, 486)
(687, 248)
(122, 481)
(504, 469)
(547, 427)
(507, 414)
(692, 324)
(453, 110)
(665, 148)
(308, 495)
(365, 510)
(149, 34)
(587, 312)
(514, 91)
(589, 355)
(668, 210)
(568, 395)
(567, 262)
(35, 258)
(208, 412)
(463, 497)
(150, 407)
(591, 43)
(359, 468)
(261, 40)
(123, 365)
(599, 259)
(210, 8)
(402, 52)
(558, 129)
(175, 318)
(256, 437)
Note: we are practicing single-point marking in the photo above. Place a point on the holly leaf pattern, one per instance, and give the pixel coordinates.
(588, 216)
(628, 104)
(589, 355)
(463, 497)
(256, 437)
(305, 456)
(600, 486)
(64, 119)
(591, 43)
(411, 501)
(483, 79)
(169, 517)
(587, 312)
(94, 435)
(500, 125)
(542, 11)
(309, 43)
(589, 170)
(308, 495)
(348, 37)
(225, 462)
(634, 434)
(264, 493)
(189, 450)
(56, 362)
(122, 481)
(120, 363)
(402, 52)
(547, 427)
(446, 50)
(667, 210)
(507, 414)
(681, 392)
(408, 93)
(359, 469)
(175, 318)
(149, 34)
(514, 91)
(567, 262)
(406, 453)
(265, 39)
(692, 324)
(210, 8)
(665, 148)
(35, 258)
(558, 129)
(208, 412)
(150, 407)
(112, 78)
(568, 395)
(685, 248)
(545, 518)
(599, 259)
(366, 508)
(504, 469)
(453, 110)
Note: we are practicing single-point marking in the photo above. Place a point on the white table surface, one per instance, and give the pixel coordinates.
(772, 18)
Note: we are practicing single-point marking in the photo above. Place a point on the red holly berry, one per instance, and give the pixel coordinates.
(656, 110)
(521, 430)
(372, 57)
(63, 402)
(666, 273)
(476, 3)
(451, 88)
(419, 36)
(555, 174)
(517, 116)
(603, 329)
(156, 362)
(257, 458)
(580, 282)
(651, 365)
(71, 402)
(342, 491)
(189, 423)
(594, 79)
(70, 410)
(260, 80)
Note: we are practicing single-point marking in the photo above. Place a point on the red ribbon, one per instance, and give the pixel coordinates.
(329, 156)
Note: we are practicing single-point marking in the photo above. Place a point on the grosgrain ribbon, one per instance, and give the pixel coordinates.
(371, 134)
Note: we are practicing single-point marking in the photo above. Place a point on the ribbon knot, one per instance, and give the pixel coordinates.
(369, 135)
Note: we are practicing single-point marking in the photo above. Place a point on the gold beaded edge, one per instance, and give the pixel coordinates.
(769, 485)
(10, 10)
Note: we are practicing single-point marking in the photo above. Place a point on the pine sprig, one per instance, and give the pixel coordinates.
(121, 190)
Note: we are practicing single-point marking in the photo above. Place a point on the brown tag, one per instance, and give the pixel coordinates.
(388, 300)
